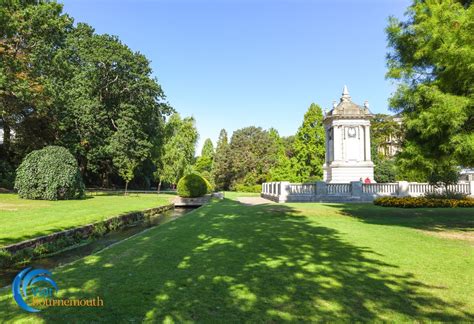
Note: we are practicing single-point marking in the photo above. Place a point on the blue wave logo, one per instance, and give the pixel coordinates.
(27, 278)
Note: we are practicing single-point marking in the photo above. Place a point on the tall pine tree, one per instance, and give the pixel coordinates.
(204, 162)
(309, 146)
(432, 59)
(221, 168)
(283, 169)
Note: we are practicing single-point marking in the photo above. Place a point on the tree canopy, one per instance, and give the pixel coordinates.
(253, 152)
(309, 145)
(67, 85)
(204, 162)
(431, 59)
(178, 152)
(221, 168)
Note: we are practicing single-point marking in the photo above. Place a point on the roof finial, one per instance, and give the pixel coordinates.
(345, 94)
(345, 91)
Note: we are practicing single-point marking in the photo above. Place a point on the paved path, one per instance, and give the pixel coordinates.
(250, 201)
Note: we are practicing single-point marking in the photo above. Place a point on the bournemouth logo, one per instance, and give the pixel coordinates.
(26, 279)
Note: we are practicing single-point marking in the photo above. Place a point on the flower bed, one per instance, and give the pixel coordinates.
(420, 202)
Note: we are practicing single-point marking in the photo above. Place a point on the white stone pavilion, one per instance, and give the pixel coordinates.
(347, 128)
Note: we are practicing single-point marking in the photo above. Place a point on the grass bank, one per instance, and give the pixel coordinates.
(23, 219)
(226, 262)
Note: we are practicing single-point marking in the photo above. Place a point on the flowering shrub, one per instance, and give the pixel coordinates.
(420, 202)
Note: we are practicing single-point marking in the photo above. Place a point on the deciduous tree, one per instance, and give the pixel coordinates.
(253, 154)
(178, 151)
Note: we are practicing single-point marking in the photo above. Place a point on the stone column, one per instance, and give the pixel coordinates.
(343, 143)
(367, 143)
(356, 189)
(326, 143)
(471, 184)
(321, 188)
(285, 191)
(403, 188)
(336, 132)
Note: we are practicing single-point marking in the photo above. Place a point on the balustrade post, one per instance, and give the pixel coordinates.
(284, 191)
(356, 189)
(321, 188)
(403, 188)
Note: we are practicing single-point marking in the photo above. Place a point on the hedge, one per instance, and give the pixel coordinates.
(192, 186)
(423, 202)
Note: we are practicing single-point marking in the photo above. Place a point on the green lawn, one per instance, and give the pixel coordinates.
(292, 262)
(22, 219)
(234, 195)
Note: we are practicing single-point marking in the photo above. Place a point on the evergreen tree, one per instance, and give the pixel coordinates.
(205, 161)
(208, 148)
(283, 169)
(431, 58)
(309, 146)
(289, 144)
(222, 168)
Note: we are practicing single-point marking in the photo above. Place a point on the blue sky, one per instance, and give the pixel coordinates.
(236, 63)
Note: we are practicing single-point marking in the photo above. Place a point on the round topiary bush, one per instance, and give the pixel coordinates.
(191, 186)
(51, 174)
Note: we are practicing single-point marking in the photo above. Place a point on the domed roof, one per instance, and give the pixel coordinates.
(347, 109)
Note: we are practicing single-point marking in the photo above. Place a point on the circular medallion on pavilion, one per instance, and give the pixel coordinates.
(351, 132)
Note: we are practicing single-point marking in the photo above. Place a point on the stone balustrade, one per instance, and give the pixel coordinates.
(354, 191)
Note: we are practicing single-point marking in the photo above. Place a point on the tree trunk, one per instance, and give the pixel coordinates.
(159, 186)
(126, 187)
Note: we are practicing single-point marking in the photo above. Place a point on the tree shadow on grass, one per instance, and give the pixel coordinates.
(431, 219)
(231, 263)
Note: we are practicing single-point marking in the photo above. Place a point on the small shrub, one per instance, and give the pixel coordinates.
(6, 259)
(51, 174)
(191, 186)
(423, 202)
(115, 224)
(445, 195)
(99, 230)
(24, 256)
(41, 249)
(207, 176)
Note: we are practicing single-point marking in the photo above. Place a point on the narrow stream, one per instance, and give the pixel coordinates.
(75, 253)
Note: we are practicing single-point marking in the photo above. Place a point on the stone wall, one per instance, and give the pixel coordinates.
(86, 230)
